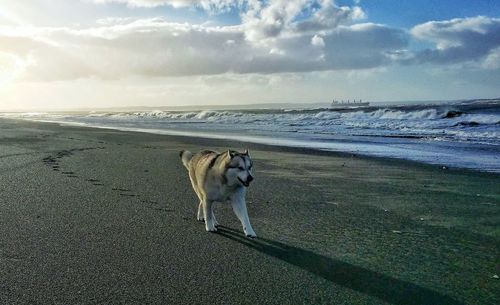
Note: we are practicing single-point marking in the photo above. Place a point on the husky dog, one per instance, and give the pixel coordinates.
(220, 177)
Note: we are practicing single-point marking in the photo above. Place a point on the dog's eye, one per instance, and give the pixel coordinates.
(241, 168)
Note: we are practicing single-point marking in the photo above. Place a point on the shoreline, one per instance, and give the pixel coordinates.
(108, 217)
(179, 135)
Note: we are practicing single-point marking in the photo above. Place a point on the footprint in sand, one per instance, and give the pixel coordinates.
(120, 189)
(154, 205)
(128, 195)
(95, 181)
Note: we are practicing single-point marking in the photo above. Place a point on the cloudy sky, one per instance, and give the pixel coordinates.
(107, 53)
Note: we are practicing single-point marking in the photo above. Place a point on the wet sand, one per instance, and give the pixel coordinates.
(94, 216)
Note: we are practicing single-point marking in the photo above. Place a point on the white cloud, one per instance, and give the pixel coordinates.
(492, 61)
(205, 4)
(317, 41)
(271, 18)
(280, 18)
(262, 22)
(114, 20)
(458, 40)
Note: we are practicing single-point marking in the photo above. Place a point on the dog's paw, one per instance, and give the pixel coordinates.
(216, 224)
(249, 233)
(210, 227)
(201, 219)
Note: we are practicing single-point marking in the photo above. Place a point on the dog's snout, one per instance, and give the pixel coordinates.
(249, 178)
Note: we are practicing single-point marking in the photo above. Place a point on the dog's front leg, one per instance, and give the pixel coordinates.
(216, 223)
(207, 212)
(240, 209)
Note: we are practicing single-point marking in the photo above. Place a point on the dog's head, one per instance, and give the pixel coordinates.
(239, 168)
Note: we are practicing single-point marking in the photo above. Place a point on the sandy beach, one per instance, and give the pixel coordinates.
(95, 216)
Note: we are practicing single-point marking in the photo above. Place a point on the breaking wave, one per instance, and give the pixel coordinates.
(472, 124)
(311, 117)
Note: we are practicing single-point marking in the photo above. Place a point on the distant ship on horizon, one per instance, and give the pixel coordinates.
(348, 103)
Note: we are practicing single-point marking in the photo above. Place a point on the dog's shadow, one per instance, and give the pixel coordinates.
(344, 274)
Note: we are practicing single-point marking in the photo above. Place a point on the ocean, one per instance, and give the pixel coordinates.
(460, 134)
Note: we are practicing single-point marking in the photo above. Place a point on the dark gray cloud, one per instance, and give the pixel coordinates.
(155, 47)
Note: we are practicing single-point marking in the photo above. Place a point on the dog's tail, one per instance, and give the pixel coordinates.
(186, 156)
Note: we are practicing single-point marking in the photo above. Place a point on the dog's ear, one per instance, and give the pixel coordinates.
(246, 152)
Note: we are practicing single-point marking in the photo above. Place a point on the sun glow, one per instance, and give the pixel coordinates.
(7, 16)
(11, 66)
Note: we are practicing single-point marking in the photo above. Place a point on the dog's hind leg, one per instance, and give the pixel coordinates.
(240, 209)
(199, 215)
(207, 212)
(200, 211)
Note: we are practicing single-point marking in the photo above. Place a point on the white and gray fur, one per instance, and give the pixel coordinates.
(220, 177)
